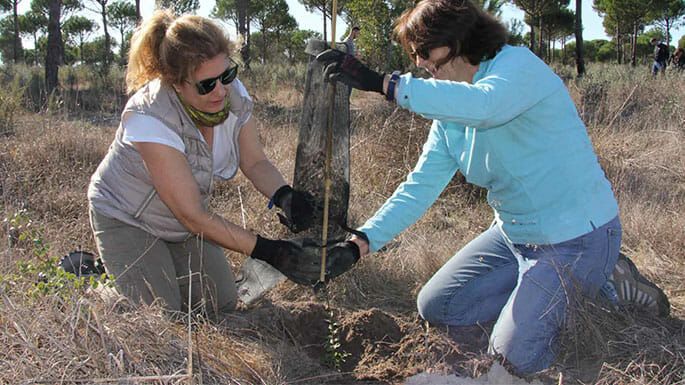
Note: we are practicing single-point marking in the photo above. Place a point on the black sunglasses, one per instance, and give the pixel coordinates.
(421, 52)
(207, 85)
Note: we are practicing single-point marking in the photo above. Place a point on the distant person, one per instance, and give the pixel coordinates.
(349, 41)
(506, 121)
(661, 56)
(188, 122)
(678, 59)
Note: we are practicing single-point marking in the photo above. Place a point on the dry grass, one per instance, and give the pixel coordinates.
(45, 164)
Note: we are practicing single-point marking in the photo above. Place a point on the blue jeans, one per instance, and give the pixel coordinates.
(479, 284)
(658, 66)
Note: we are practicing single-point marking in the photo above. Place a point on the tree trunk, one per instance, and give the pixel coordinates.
(323, 12)
(138, 17)
(580, 60)
(541, 42)
(263, 43)
(17, 39)
(618, 46)
(35, 48)
(123, 59)
(668, 31)
(532, 36)
(107, 52)
(633, 50)
(243, 31)
(54, 51)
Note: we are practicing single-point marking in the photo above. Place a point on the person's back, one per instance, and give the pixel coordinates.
(661, 53)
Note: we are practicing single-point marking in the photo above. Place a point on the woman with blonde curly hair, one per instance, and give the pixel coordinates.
(189, 120)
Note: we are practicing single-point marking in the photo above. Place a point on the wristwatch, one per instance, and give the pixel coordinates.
(392, 84)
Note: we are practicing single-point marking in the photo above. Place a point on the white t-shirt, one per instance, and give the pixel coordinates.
(144, 128)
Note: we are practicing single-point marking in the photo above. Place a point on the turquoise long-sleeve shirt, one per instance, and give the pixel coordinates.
(514, 131)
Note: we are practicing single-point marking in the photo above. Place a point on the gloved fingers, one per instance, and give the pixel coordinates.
(310, 243)
(330, 243)
(306, 272)
(302, 200)
(300, 223)
(285, 221)
(337, 77)
(331, 71)
(342, 258)
(330, 55)
(351, 64)
(333, 242)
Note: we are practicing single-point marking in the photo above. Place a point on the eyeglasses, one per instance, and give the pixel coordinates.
(422, 52)
(207, 85)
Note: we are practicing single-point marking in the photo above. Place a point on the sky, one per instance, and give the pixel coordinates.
(306, 20)
(591, 20)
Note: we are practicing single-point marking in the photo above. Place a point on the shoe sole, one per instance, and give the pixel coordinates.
(632, 295)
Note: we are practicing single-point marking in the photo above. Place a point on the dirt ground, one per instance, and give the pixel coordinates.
(380, 348)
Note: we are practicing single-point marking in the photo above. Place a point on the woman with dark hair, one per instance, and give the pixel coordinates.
(505, 121)
(188, 121)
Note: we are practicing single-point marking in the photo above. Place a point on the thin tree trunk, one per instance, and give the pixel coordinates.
(138, 17)
(618, 46)
(325, 38)
(54, 52)
(580, 60)
(541, 42)
(122, 49)
(243, 31)
(107, 52)
(263, 43)
(35, 49)
(80, 49)
(668, 32)
(532, 36)
(17, 39)
(633, 53)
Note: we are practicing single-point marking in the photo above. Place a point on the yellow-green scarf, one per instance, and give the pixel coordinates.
(207, 119)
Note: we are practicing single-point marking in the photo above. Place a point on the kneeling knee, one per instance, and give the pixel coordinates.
(431, 308)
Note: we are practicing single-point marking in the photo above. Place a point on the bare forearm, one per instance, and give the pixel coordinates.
(265, 177)
(217, 229)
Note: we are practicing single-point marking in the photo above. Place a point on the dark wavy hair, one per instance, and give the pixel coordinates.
(465, 28)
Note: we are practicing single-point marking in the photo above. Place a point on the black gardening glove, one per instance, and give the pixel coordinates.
(347, 69)
(297, 259)
(342, 256)
(297, 206)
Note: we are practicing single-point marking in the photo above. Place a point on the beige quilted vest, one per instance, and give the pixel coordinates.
(121, 187)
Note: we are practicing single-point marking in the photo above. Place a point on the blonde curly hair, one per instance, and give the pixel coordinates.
(171, 48)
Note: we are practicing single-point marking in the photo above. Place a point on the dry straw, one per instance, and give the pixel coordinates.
(46, 161)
